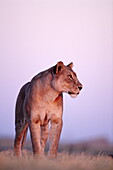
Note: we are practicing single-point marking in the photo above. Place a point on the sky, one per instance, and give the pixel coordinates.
(35, 35)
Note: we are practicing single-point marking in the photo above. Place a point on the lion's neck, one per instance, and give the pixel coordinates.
(44, 89)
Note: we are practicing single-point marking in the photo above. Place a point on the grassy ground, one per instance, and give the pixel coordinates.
(64, 161)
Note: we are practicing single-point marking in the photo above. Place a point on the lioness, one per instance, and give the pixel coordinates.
(39, 102)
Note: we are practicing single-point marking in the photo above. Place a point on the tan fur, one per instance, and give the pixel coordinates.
(39, 103)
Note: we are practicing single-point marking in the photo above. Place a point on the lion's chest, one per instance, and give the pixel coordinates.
(48, 112)
(44, 111)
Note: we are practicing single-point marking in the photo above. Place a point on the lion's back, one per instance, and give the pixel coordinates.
(19, 103)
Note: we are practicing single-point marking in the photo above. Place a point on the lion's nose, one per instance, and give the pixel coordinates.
(80, 87)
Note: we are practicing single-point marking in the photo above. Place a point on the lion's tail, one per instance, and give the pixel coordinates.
(24, 136)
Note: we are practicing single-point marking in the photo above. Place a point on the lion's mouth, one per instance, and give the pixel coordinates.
(73, 94)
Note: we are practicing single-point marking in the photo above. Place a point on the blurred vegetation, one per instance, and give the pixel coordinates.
(90, 155)
(94, 146)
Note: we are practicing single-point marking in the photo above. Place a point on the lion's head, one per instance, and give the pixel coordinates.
(65, 79)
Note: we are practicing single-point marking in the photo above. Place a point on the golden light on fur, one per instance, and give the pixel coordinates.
(39, 103)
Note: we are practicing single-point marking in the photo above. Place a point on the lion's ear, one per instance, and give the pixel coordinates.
(70, 65)
(59, 67)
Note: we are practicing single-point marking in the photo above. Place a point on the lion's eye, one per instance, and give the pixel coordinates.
(70, 77)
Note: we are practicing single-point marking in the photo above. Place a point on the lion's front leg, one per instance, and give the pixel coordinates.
(44, 136)
(55, 131)
(35, 137)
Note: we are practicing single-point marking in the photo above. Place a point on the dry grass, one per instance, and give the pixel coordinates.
(64, 161)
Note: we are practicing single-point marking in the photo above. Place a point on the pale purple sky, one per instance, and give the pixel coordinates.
(35, 35)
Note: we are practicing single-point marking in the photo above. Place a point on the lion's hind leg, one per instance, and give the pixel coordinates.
(21, 132)
(24, 137)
